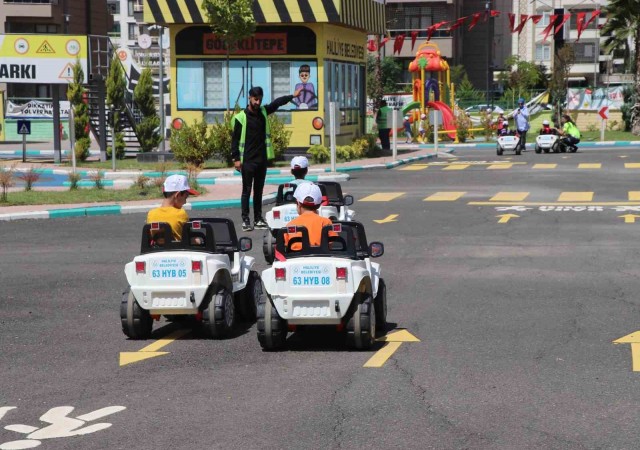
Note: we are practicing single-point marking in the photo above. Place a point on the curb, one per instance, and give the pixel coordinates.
(110, 210)
(531, 145)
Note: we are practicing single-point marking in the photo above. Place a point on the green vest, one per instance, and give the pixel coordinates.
(571, 130)
(381, 119)
(242, 118)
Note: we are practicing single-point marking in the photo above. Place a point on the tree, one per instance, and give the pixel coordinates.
(148, 128)
(563, 60)
(466, 94)
(520, 76)
(624, 24)
(116, 84)
(76, 94)
(231, 21)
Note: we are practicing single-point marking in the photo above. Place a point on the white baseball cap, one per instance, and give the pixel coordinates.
(545, 122)
(505, 123)
(308, 194)
(423, 116)
(406, 117)
(299, 162)
(177, 183)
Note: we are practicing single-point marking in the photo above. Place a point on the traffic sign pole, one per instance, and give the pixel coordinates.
(602, 127)
(24, 148)
(604, 113)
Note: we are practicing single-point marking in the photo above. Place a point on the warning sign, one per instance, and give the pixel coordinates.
(45, 48)
(34, 58)
(24, 127)
(67, 72)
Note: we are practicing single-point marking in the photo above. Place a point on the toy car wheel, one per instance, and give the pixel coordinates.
(219, 316)
(251, 296)
(555, 147)
(272, 329)
(538, 149)
(380, 304)
(136, 322)
(499, 151)
(546, 150)
(268, 245)
(361, 327)
(573, 149)
(518, 151)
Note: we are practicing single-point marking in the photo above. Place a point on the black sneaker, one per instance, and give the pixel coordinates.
(260, 224)
(246, 225)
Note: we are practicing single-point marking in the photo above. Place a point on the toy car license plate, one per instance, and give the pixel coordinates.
(545, 139)
(311, 276)
(169, 268)
(509, 139)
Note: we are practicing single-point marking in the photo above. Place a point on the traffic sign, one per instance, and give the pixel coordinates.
(604, 112)
(24, 127)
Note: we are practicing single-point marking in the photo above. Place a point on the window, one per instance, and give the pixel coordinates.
(133, 31)
(586, 52)
(130, 8)
(343, 87)
(280, 79)
(213, 85)
(543, 52)
(544, 22)
(573, 21)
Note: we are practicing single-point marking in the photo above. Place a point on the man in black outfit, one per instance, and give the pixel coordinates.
(251, 149)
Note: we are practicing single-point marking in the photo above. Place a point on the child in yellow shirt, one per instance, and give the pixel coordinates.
(176, 190)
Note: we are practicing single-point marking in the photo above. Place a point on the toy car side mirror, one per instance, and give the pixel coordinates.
(245, 244)
(376, 249)
(348, 200)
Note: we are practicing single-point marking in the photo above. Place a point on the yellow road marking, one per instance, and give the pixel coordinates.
(632, 165)
(545, 166)
(558, 203)
(629, 218)
(575, 197)
(415, 167)
(151, 350)
(505, 218)
(382, 197)
(634, 196)
(590, 166)
(500, 166)
(444, 197)
(509, 197)
(634, 340)
(389, 218)
(393, 343)
(456, 167)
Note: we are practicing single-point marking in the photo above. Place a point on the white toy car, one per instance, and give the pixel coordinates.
(510, 143)
(547, 142)
(333, 284)
(336, 208)
(206, 275)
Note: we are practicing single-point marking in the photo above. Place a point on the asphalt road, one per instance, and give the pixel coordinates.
(516, 322)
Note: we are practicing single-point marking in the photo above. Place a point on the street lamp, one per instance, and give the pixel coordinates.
(160, 29)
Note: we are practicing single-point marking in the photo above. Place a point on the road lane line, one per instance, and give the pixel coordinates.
(632, 165)
(634, 196)
(383, 354)
(545, 166)
(444, 197)
(509, 197)
(457, 167)
(590, 166)
(382, 197)
(499, 166)
(576, 197)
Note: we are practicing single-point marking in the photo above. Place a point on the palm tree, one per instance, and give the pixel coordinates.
(623, 25)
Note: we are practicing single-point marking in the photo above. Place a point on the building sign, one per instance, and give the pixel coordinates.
(35, 109)
(345, 50)
(41, 58)
(594, 99)
(258, 44)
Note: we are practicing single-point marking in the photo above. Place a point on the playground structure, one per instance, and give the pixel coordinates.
(433, 93)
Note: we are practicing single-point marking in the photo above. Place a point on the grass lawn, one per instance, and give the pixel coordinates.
(79, 196)
(133, 164)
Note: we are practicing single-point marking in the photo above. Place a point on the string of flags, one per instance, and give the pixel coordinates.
(581, 20)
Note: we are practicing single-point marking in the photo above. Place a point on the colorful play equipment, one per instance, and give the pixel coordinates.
(435, 93)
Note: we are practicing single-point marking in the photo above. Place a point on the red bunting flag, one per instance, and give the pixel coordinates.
(512, 22)
(371, 45)
(536, 18)
(494, 13)
(580, 23)
(414, 36)
(433, 28)
(523, 21)
(397, 44)
(565, 17)
(474, 20)
(548, 28)
(458, 23)
(594, 14)
(384, 41)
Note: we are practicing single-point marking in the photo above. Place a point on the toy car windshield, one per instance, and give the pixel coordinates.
(333, 192)
(336, 241)
(210, 235)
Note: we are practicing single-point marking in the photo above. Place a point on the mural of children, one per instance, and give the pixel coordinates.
(307, 98)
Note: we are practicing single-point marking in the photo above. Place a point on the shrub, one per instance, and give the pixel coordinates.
(592, 127)
(613, 125)
(142, 182)
(120, 146)
(97, 177)
(148, 128)
(73, 178)
(280, 137)
(372, 149)
(30, 177)
(344, 152)
(193, 143)
(6, 181)
(82, 148)
(319, 153)
(222, 134)
(463, 123)
(359, 148)
(192, 175)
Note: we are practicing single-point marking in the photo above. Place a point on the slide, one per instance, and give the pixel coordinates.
(448, 120)
(409, 107)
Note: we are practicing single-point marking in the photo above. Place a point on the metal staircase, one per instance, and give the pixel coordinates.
(100, 56)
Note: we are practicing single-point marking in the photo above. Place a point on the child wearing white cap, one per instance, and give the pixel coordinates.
(308, 199)
(299, 169)
(176, 190)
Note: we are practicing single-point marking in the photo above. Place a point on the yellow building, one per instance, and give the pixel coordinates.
(319, 45)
